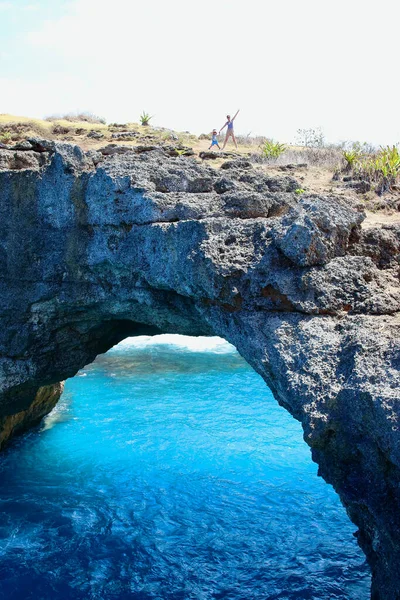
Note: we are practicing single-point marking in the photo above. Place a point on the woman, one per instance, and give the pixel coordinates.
(229, 131)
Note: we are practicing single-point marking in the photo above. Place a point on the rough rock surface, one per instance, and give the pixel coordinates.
(94, 248)
(45, 400)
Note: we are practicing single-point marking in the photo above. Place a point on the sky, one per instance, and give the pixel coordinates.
(286, 64)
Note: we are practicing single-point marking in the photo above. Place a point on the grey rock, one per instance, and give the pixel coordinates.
(381, 244)
(316, 230)
(239, 163)
(362, 187)
(293, 167)
(210, 155)
(111, 149)
(147, 148)
(21, 160)
(149, 243)
(128, 135)
(178, 150)
(223, 185)
(281, 184)
(96, 135)
(25, 145)
(42, 145)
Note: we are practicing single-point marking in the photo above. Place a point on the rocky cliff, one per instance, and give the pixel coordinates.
(98, 246)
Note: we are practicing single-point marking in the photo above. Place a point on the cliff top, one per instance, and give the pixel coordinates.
(319, 170)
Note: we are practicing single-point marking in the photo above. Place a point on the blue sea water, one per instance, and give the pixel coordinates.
(169, 472)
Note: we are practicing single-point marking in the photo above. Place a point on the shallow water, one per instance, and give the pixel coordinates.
(169, 472)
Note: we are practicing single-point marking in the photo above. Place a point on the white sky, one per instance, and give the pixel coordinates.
(286, 64)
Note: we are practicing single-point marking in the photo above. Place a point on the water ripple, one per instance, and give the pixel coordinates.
(169, 472)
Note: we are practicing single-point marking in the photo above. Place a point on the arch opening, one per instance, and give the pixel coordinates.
(234, 532)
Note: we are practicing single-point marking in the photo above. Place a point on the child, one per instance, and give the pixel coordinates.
(214, 140)
(229, 131)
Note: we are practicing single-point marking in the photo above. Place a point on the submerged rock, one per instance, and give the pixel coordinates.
(98, 246)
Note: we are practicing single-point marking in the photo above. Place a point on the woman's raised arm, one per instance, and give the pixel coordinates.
(237, 112)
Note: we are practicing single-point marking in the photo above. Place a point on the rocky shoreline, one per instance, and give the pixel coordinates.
(100, 245)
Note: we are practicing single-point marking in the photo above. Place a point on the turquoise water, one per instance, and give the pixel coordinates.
(168, 472)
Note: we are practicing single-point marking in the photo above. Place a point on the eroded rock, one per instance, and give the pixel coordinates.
(98, 246)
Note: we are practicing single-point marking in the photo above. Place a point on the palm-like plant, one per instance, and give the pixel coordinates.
(382, 169)
(272, 149)
(351, 157)
(145, 118)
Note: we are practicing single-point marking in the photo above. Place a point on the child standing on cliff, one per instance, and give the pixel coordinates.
(214, 140)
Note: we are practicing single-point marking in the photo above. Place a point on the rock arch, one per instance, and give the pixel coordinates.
(98, 246)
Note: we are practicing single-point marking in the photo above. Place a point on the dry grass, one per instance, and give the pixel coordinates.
(6, 118)
(328, 158)
(23, 127)
(70, 129)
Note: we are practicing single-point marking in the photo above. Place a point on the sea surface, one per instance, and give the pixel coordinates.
(168, 472)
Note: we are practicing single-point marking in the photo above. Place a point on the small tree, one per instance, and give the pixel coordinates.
(311, 138)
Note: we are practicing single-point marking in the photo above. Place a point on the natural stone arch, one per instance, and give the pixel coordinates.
(148, 243)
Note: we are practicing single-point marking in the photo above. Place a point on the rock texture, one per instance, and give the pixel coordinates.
(95, 247)
(45, 400)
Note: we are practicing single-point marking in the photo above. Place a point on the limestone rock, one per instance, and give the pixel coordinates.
(316, 230)
(98, 246)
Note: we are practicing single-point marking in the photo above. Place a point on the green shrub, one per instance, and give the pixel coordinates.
(351, 157)
(145, 118)
(356, 152)
(272, 149)
(381, 169)
(5, 137)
